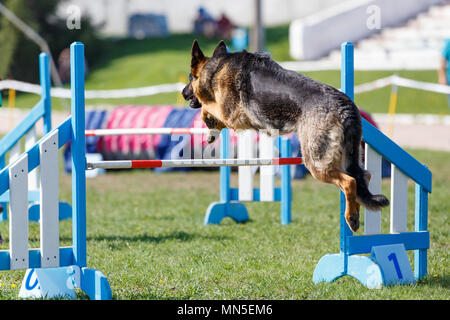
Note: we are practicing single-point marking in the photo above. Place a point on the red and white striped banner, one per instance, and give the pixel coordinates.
(137, 131)
(131, 164)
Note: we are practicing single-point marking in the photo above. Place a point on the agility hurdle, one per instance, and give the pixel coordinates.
(388, 263)
(11, 143)
(194, 163)
(231, 199)
(53, 270)
(230, 203)
(137, 131)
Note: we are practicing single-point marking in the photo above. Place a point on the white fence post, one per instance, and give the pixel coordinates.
(267, 173)
(49, 201)
(18, 220)
(246, 141)
(372, 219)
(33, 176)
(399, 200)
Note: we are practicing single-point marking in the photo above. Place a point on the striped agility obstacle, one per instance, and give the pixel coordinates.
(231, 200)
(230, 204)
(59, 269)
(195, 163)
(134, 131)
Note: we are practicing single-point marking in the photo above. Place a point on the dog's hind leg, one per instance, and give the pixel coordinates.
(348, 186)
(323, 155)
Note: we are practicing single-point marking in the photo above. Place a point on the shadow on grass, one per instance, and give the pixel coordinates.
(174, 236)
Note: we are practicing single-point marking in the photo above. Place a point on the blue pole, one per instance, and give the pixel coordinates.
(347, 75)
(286, 192)
(4, 213)
(347, 83)
(225, 172)
(78, 154)
(421, 222)
(44, 75)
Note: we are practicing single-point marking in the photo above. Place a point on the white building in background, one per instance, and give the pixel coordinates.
(316, 35)
(411, 37)
(114, 15)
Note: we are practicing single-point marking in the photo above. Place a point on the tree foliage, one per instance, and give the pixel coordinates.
(19, 55)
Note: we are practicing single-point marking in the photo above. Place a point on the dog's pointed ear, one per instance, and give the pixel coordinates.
(220, 49)
(197, 54)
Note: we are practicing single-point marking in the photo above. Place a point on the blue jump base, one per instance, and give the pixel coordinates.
(217, 211)
(333, 266)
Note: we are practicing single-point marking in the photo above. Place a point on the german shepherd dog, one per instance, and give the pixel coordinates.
(245, 90)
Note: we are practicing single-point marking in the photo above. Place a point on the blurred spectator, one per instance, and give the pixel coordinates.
(64, 66)
(444, 66)
(224, 27)
(205, 24)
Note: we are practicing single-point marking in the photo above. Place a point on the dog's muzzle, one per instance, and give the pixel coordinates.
(188, 94)
(195, 104)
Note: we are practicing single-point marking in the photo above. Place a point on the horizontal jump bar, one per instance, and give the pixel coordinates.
(137, 131)
(130, 164)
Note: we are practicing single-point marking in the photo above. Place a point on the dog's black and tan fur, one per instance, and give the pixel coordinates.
(251, 91)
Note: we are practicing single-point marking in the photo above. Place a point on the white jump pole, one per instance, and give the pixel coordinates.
(138, 131)
(133, 164)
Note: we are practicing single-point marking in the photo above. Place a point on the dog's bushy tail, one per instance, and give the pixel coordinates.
(354, 169)
(367, 199)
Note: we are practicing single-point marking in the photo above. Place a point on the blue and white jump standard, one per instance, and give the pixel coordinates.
(53, 271)
(388, 263)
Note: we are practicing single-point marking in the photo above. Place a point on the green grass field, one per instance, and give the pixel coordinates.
(138, 63)
(146, 234)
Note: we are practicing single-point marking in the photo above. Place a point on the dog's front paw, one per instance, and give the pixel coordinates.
(210, 138)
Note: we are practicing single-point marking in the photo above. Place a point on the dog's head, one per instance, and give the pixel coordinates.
(195, 88)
